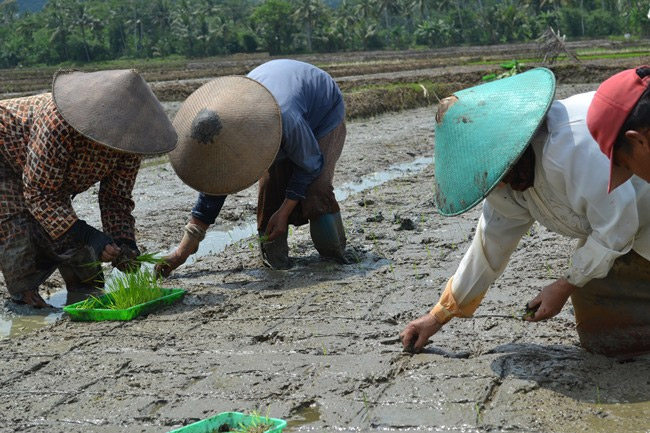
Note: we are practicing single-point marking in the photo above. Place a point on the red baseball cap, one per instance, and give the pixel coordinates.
(612, 104)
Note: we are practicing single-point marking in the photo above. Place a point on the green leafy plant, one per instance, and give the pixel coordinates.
(512, 67)
(127, 290)
(259, 424)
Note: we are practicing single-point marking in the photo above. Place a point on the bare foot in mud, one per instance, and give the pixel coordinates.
(32, 298)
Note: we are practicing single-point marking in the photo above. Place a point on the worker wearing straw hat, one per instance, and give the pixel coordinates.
(283, 125)
(533, 159)
(92, 128)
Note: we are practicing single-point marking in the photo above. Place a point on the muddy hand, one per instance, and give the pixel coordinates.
(110, 253)
(277, 226)
(125, 260)
(416, 334)
(170, 263)
(550, 300)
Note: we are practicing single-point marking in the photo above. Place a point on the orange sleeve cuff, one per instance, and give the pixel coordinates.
(447, 307)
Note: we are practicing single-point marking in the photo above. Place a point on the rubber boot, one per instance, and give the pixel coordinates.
(328, 235)
(83, 276)
(275, 253)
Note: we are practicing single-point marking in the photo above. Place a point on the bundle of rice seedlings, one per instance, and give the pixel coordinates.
(130, 288)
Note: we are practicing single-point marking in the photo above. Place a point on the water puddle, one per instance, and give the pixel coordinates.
(216, 240)
(19, 322)
(302, 417)
(222, 235)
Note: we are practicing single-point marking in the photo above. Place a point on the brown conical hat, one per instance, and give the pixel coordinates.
(114, 108)
(229, 133)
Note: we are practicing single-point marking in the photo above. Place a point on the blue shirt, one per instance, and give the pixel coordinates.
(312, 106)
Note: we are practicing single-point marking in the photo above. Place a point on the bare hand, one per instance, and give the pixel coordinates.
(550, 300)
(126, 260)
(416, 334)
(277, 225)
(171, 262)
(110, 253)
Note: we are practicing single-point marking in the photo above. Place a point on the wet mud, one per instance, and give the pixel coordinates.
(318, 344)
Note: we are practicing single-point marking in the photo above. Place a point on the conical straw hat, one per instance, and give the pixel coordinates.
(483, 134)
(229, 134)
(114, 108)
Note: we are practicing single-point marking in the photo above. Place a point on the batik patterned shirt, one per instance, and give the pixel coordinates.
(56, 162)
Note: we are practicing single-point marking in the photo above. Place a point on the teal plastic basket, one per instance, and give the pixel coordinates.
(100, 314)
(235, 420)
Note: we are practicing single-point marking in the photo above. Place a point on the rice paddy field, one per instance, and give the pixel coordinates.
(317, 345)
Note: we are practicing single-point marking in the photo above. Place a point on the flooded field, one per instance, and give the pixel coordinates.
(318, 344)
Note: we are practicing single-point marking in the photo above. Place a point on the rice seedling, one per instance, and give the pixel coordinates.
(127, 290)
(259, 424)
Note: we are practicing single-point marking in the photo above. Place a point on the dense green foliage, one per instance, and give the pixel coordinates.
(94, 30)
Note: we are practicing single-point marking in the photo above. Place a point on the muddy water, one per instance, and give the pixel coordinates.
(219, 237)
(20, 321)
(317, 345)
(216, 240)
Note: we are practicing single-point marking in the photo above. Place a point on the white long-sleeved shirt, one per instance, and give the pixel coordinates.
(569, 196)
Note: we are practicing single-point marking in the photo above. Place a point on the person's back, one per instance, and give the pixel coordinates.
(301, 89)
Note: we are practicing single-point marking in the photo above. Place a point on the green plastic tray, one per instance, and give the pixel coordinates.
(233, 419)
(100, 314)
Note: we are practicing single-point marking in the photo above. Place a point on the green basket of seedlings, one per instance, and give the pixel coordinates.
(235, 422)
(129, 295)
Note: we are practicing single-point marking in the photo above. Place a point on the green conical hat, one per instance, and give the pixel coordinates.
(483, 133)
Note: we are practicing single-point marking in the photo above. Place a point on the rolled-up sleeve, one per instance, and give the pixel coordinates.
(500, 228)
(208, 207)
(301, 147)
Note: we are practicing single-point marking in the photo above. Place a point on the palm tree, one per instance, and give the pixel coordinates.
(306, 12)
(82, 18)
(386, 7)
(365, 9)
(57, 20)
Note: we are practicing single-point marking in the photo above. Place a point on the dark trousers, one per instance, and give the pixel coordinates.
(28, 255)
(613, 313)
(320, 197)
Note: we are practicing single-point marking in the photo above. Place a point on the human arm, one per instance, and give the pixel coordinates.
(577, 173)
(49, 154)
(204, 214)
(499, 230)
(277, 225)
(301, 147)
(116, 205)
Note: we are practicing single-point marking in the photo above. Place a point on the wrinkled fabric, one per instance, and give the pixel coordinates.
(28, 255)
(54, 163)
(569, 197)
(320, 197)
(312, 106)
(612, 313)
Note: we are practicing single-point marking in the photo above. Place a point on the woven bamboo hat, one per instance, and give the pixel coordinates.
(229, 134)
(114, 108)
(482, 134)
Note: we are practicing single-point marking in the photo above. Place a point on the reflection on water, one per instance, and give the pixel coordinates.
(302, 417)
(25, 320)
(222, 235)
(621, 417)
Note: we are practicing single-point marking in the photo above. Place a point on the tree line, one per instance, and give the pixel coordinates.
(74, 31)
